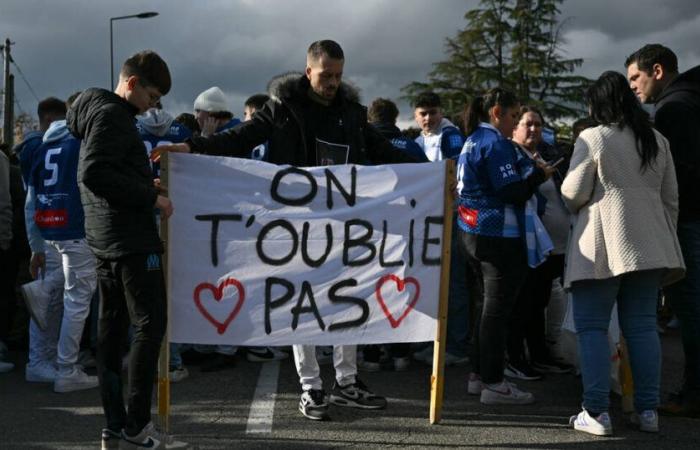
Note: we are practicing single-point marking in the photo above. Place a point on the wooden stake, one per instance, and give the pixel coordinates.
(437, 379)
(164, 358)
(625, 374)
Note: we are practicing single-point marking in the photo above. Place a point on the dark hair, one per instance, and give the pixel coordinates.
(150, 69)
(51, 106)
(651, 54)
(189, 121)
(382, 110)
(325, 47)
(612, 102)
(427, 100)
(478, 109)
(257, 101)
(530, 109)
(221, 115)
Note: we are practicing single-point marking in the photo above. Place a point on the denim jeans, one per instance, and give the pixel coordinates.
(500, 265)
(636, 294)
(685, 302)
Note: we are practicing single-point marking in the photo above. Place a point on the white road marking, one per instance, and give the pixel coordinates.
(262, 408)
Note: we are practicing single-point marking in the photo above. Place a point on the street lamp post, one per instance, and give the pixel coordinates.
(144, 15)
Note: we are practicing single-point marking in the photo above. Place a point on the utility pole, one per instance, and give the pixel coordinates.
(7, 97)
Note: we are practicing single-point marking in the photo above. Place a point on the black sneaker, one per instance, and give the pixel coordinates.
(521, 371)
(313, 404)
(110, 439)
(551, 366)
(219, 362)
(356, 395)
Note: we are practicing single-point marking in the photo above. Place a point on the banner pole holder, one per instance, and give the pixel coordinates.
(164, 357)
(437, 379)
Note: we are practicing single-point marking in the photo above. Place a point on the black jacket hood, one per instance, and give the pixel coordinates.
(688, 81)
(87, 103)
(293, 84)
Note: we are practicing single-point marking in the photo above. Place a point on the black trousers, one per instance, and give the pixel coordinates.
(132, 292)
(527, 322)
(500, 266)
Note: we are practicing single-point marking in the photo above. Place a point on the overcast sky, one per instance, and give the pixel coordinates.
(238, 45)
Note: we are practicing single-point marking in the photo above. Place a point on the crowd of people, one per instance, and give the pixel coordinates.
(615, 220)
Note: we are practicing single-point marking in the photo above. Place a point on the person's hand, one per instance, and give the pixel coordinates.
(165, 206)
(175, 148)
(37, 264)
(209, 127)
(548, 170)
(161, 189)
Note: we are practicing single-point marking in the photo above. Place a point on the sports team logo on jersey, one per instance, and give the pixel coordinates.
(51, 218)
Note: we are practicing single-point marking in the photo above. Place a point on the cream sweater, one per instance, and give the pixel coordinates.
(624, 219)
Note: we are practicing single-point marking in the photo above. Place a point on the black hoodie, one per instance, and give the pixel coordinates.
(114, 176)
(677, 117)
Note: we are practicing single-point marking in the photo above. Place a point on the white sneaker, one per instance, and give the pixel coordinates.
(648, 421)
(6, 366)
(474, 384)
(178, 374)
(37, 300)
(43, 372)
(264, 354)
(150, 437)
(599, 426)
(505, 393)
(77, 380)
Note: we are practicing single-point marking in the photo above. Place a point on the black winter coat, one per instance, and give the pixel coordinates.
(114, 176)
(281, 124)
(677, 117)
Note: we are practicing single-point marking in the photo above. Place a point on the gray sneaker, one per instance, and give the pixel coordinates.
(77, 380)
(647, 421)
(505, 393)
(356, 395)
(150, 437)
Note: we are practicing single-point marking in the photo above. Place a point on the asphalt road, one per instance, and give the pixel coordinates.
(211, 410)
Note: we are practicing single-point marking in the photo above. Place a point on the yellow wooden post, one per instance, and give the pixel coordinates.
(625, 374)
(164, 358)
(437, 379)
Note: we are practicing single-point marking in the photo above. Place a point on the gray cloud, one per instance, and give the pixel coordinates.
(239, 45)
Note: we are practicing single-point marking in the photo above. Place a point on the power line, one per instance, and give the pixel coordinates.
(12, 60)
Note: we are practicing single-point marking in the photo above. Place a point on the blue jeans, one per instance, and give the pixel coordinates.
(685, 302)
(636, 294)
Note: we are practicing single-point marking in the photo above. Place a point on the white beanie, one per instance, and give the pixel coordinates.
(211, 100)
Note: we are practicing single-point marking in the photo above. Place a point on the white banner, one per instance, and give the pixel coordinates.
(262, 254)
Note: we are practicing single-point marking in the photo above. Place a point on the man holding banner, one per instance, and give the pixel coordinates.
(311, 120)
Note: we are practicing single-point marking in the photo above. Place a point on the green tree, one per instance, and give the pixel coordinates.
(514, 44)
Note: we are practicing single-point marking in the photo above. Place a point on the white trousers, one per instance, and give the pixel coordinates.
(80, 282)
(344, 362)
(43, 343)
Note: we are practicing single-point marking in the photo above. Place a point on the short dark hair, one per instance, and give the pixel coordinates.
(257, 101)
(151, 70)
(325, 47)
(651, 54)
(51, 106)
(189, 121)
(530, 109)
(382, 110)
(427, 100)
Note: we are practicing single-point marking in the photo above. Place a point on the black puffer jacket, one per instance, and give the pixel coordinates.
(114, 176)
(281, 124)
(677, 117)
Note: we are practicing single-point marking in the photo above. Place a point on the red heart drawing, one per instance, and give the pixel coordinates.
(218, 295)
(400, 284)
